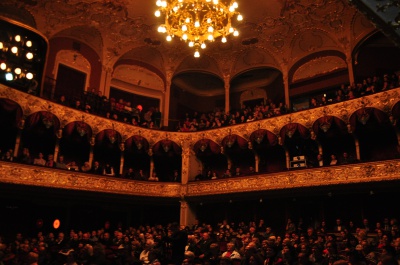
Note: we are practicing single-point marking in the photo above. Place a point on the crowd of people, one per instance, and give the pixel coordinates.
(119, 110)
(218, 118)
(225, 243)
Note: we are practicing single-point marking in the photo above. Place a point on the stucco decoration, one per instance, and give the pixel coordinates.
(361, 26)
(137, 75)
(147, 55)
(254, 58)
(318, 66)
(88, 35)
(18, 14)
(311, 41)
(204, 64)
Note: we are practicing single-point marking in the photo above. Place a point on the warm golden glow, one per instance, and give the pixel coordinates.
(198, 21)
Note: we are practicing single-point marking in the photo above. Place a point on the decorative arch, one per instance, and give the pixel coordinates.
(323, 58)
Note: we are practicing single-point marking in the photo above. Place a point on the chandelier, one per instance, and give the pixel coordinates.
(197, 21)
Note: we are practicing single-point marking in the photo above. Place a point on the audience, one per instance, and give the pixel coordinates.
(207, 244)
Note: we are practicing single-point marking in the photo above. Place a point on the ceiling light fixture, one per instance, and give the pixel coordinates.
(198, 21)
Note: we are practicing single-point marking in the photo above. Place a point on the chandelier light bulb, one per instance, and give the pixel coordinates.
(197, 24)
(236, 33)
(157, 13)
(203, 46)
(187, 20)
(209, 20)
(9, 76)
(210, 37)
(164, 4)
(223, 40)
(176, 8)
(17, 38)
(235, 5)
(184, 37)
(29, 56)
(14, 49)
(231, 9)
(29, 76)
(28, 43)
(184, 27)
(169, 38)
(210, 29)
(215, 2)
(231, 30)
(3, 66)
(158, 3)
(191, 43)
(197, 54)
(18, 71)
(239, 17)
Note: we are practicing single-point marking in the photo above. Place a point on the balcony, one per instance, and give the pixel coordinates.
(382, 107)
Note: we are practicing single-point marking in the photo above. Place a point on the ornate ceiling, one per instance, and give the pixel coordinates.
(274, 36)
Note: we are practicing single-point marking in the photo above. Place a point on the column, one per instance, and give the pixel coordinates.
(185, 163)
(18, 138)
(167, 96)
(151, 161)
(286, 88)
(91, 155)
(257, 162)
(349, 61)
(57, 145)
(105, 80)
(187, 214)
(287, 158)
(227, 79)
(121, 164)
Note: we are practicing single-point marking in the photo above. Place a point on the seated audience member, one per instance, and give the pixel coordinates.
(61, 163)
(108, 170)
(25, 157)
(86, 167)
(238, 172)
(129, 174)
(214, 175)
(320, 161)
(7, 156)
(346, 159)
(39, 161)
(227, 174)
(50, 161)
(72, 166)
(140, 175)
(199, 175)
(251, 170)
(175, 177)
(153, 177)
(96, 169)
(333, 160)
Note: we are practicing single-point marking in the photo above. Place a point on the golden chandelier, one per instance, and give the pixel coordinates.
(197, 21)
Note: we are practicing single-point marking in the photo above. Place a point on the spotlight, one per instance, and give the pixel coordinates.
(29, 56)
(14, 49)
(17, 38)
(1, 45)
(28, 43)
(3, 66)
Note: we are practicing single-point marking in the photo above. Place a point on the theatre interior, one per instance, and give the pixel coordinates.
(299, 98)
